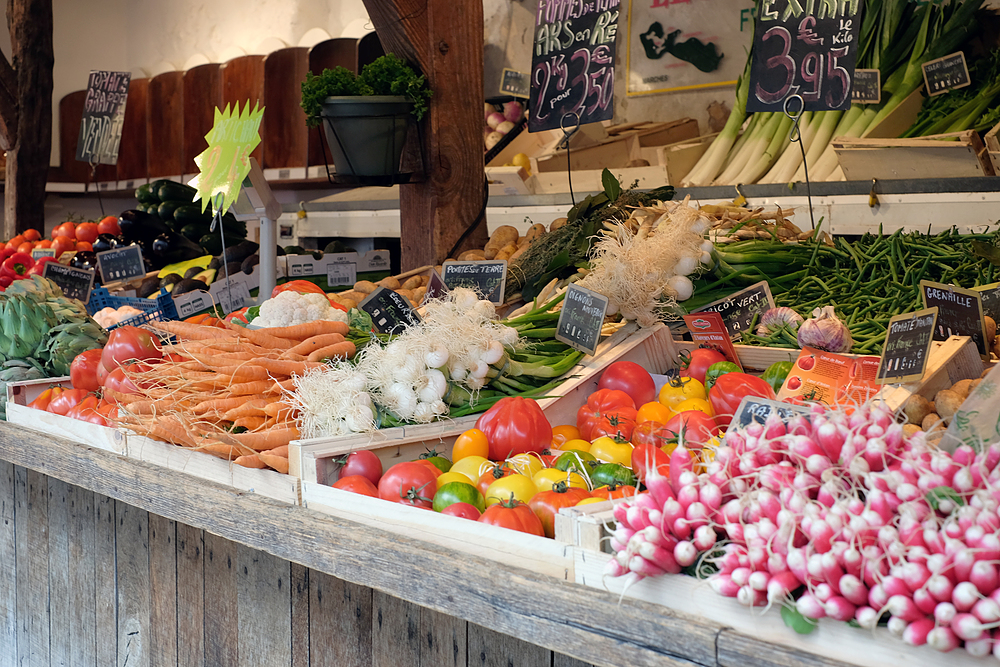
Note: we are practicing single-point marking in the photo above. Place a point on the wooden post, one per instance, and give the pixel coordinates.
(26, 113)
(445, 39)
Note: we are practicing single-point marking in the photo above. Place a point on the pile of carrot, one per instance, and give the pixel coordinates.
(221, 390)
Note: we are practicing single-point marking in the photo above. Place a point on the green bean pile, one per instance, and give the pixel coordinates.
(867, 280)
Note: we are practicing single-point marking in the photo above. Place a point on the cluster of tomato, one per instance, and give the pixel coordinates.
(97, 376)
(16, 261)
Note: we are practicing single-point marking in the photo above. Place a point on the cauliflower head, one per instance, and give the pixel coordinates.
(290, 308)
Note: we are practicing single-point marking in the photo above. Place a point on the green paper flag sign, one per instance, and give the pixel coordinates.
(226, 162)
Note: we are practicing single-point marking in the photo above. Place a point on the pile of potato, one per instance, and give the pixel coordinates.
(934, 416)
(507, 243)
(413, 288)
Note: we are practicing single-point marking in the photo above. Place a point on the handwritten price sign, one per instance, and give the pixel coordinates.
(226, 161)
(573, 62)
(811, 54)
(103, 116)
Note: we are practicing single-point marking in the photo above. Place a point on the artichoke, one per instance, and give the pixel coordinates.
(64, 342)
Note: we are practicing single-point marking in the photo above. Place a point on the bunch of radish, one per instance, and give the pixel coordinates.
(841, 515)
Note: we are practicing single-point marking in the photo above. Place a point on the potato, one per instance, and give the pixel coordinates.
(523, 242)
(348, 303)
(502, 236)
(389, 283)
(988, 368)
(962, 388)
(413, 282)
(974, 384)
(911, 429)
(991, 329)
(557, 223)
(930, 422)
(419, 293)
(534, 232)
(472, 255)
(365, 286)
(506, 252)
(916, 408)
(996, 348)
(405, 293)
(947, 402)
(518, 252)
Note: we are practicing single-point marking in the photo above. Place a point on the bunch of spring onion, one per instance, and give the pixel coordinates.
(832, 515)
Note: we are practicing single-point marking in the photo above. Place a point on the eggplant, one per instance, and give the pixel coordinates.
(105, 242)
(138, 225)
(172, 248)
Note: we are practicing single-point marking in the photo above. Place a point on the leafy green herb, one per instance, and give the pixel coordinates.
(796, 621)
(335, 82)
(938, 494)
(612, 188)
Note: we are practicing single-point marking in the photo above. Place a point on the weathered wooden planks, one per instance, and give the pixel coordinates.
(8, 573)
(163, 584)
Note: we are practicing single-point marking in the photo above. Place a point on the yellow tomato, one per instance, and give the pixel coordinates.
(590, 501)
(471, 443)
(521, 160)
(525, 464)
(545, 479)
(654, 411)
(577, 444)
(562, 433)
(609, 450)
(452, 476)
(471, 466)
(699, 404)
(519, 486)
(678, 390)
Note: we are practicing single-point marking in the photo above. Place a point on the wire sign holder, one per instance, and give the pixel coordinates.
(564, 143)
(795, 136)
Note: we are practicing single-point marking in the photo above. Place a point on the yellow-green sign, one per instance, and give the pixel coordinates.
(226, 162)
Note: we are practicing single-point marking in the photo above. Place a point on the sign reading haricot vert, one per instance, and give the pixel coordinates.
(226, 161)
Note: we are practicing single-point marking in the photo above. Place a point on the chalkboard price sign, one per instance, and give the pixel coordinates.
(38, 253)
(866, 88)
(990, 294)
(121, 263)
(488, 278)
(390, 312)
(907, 344)
(739, 309)
(103, 115)
(754, 409)
(806, 49)
(436, 288)
(515, 83)
(74, 283)
(573, 62)
(960, 313)
(581, 319)
(946, 74)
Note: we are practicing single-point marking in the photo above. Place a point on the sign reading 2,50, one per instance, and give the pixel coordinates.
(598, 84)
(815, 66)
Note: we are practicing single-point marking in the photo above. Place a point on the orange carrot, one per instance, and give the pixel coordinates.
(261, 337)
(301, 332)
(277, 408)
(316, 342)
(259, 387)
(279, 463)
(250, 423)
(222, 450)
(189, 331)
(264, 440)
(344, 349)
(224, 404)
(278, 451)
(250, 461)
(247, 408)
(286, 366)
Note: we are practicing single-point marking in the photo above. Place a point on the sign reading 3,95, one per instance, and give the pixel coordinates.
(573, 63)
(804, 48)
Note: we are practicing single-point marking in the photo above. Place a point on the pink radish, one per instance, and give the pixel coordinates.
(916, 632)
(905, 608)
(810, 607)
(965, 596)
(866, 617)
(942, 639)
(781, 585)
(839, 608)
(944, 613)
(723, 585)
(967, 627)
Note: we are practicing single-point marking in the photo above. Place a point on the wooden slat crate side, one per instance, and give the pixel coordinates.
(948, 362)
(85, 433)
(752, 357)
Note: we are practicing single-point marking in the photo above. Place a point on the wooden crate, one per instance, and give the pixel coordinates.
(752, 357)
(679, 158)
(315, 460)
(964, 156)
(948, 362)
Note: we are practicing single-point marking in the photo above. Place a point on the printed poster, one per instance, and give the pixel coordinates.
(687, 44)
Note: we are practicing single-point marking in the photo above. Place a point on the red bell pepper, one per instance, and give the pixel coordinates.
(300, 286)
(39, 268)
(5, 253)
(17, 266)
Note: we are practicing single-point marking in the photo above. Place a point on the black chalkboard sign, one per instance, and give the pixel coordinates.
(38, 253)
(800, 53)
(738, 310)
(960, 313)
(907, 344)
(436, 289)
(573, 63)
(990, 295)
(866, 87)
(488, 278)
(74, 283)
(755, 409)
(390, 312)
(103, 115)
(581, 319)
(946, 74)
(121, 263)
(515, 83)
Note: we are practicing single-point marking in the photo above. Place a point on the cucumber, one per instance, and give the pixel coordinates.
(194, 231)
(191, 214)
(145, 195)
(171, 191)
(166, 209)
(213, 245)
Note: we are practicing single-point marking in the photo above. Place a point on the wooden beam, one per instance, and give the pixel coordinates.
(28, 156)
(445, 39)
(8, 104)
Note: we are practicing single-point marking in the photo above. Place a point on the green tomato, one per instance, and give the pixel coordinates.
(574, 460)
(458, 492)
(719, 369)
(440, 462)
(607, 474)
(776, 373)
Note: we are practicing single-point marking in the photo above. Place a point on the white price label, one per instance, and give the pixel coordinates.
(234, 296)
(345, 273)
(195, 304)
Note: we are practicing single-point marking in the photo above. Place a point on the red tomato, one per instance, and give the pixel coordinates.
(85, 409)
(26, 247)
(727, 392)
(118, 383)
(631, 378)
(67, 229)
(515, 425)
(692, 428)
(695, 363)
(651, 433)
(109, 225)
(62, 403)
(44, 243)
(46, 397)
(611, 491)
(83, 370)
(84, 246)
(357, 484)
(87, 231)
(239, 316)
(102, 374)
(607, 412)
(39, 268)
(645, 457)
(515, 515)
(129, 344)
(430, 466)
(300, 286)
(463, 510)
(361, 462)
(63, 244)
(408, 483)
(31, 235)
(497, 471)
(547, 504)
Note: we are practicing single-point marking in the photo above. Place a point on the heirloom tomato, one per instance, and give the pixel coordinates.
(718, 369)
(613, 491)
(577, 444)
(472, 467)
(65, 401)
(610, 450)
(652, 433)
(678, 389)
(574, 460)
(515, 425)
(631, 378)
(408, 483)
(613, 473)
(436, 460)
(654, 411)
(730, 389)
(547, 504)
(127, 344)
(515, 515)
(83, 370)
(691, 428)
(46, 397)
(493, 473)
(526, 464)
(546, 479)
(562, 434)
(458, 492)
(471, 443)
(607, 412)
(357, 484)
(119, 383)
(462, 510)
(361, 462)
(452, 476)
(695, 363)
(515, 486)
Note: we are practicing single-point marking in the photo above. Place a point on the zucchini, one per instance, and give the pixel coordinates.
(145, 195)
(191, 214)
(166, 209)
(213, 245)
(171, 191)
(194, 231)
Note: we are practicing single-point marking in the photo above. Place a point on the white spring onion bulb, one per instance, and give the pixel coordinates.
(485, 310)
(682, 286)
(436, 357)
(475, 383)
(494, 352)
(457, 370)
(464, 298)
(687, 264)
(359, 418)
(707, 246)
(706, 259)
(431, 386)
(479, 369)
(424, 412)
(401, 400)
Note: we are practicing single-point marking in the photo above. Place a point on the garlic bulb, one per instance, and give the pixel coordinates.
(825, 331)
(774, 318)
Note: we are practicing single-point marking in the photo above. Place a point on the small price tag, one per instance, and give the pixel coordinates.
(38, 253)
(990, 295)
(74, 283)
(515, 83)
(192, 302)
(754, 409)
(907, 344)
(390, 312)
(960, 313)
(581, 319)
(866, 88)
(708, 328)
(121, 263)
(831, 379)
(946, 74)
(738, 309)
(341, 273)
(488, 278)
(233, 296)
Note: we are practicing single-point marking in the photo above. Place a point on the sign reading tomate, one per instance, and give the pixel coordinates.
(804, 48)
(573, 63)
